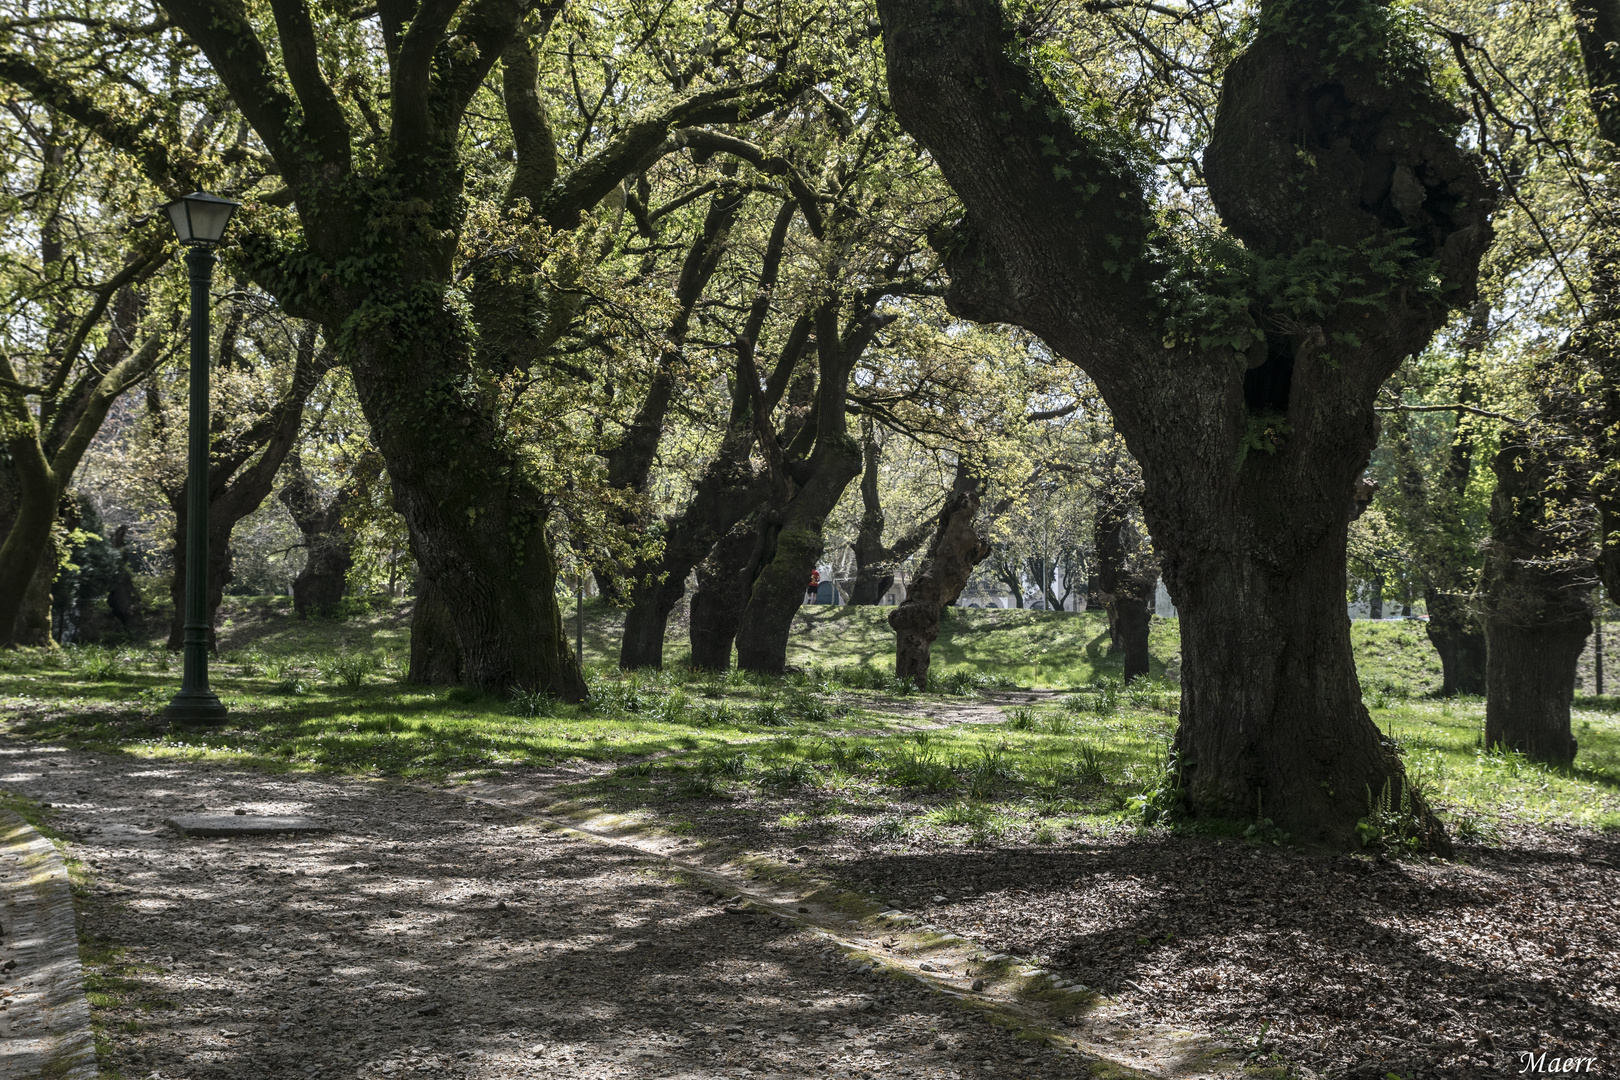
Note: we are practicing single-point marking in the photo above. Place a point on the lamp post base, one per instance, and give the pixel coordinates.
(196, 707)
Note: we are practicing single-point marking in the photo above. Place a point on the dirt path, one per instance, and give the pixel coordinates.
(428, 937)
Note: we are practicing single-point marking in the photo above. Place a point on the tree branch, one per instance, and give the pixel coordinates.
(222, 30)
(715, 142)
(327, 125)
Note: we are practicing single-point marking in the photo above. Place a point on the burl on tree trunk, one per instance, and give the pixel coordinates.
(1537, 591)
(956, 549)
(1242, 377)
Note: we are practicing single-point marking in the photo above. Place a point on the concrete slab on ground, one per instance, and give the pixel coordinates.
(243, 825)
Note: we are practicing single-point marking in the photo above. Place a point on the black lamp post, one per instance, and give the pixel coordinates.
(199, 220)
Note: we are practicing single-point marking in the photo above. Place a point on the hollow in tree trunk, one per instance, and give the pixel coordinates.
(1251, 437)
(956, 549)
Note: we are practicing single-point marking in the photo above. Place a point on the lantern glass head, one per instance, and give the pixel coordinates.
(200, 218)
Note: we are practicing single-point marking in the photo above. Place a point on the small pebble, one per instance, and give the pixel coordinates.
(978, 984)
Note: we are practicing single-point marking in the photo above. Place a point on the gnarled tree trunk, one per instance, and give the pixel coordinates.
(328, 547)
(1537, 594)
(1127, 574)
(1455, 632)
(723, 583)
(956, 549)
(875, 564)
(1251, 440)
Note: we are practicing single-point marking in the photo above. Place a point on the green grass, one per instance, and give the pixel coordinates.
(352, 713)
(819, 747)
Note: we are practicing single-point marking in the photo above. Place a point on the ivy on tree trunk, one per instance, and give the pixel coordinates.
(1335, 162)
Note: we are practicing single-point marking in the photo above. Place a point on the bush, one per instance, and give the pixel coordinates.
(671, 708)
(616, 696)
(95, 663)
(808, 708)
(1163, 801)
(722, 714)
(991, 768)
(733, 766)
(1087, 767)
(891, 827)
(1105, 694)
(846, 758)
(1392, 821)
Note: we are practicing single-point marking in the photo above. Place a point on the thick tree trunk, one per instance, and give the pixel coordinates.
(1537, 591)
(875, 564)
(124, 599)
(328, 547)
(727, 492)
(435, 656)
(1456, 634)
(470, 503)
(722, 592)
(955, 551)
(1126, 571)
(1531, 674)
(27, 563)
(791, 552)
(1250, 442)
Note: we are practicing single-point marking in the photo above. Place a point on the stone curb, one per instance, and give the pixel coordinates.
(45, 1024)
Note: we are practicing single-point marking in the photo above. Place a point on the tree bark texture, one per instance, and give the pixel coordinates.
(435, 652)
(955, 550)
(1537, 598)
(1252, 432)
(654, 586)
(731, 487)
(723, 584)
(375, 262)
(809, 471)
(328, 547)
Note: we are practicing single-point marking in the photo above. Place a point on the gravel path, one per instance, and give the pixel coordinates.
(429, 937)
